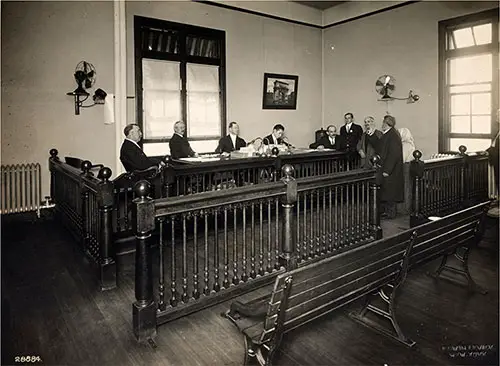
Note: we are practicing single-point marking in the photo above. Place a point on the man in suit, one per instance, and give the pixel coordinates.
(131, 154)
(390, 150)
(277, 137)
(329, 141)
(232, 141)
(179, 145)
(350, 133)
(368, 143)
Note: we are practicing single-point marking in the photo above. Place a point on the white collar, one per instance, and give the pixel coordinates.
(177, 133)
(387, 130)
(132, 141)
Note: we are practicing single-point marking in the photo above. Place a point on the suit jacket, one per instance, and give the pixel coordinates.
(180, 148)
(226, 144)
(349, 141)
(369, 145)
(325, 141)
(268, 140)
(133, 158)
(391, 153)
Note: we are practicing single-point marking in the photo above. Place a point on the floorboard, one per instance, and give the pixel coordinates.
(51, 308)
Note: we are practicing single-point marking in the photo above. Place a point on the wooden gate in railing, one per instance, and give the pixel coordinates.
(216, 245)
(445, 185)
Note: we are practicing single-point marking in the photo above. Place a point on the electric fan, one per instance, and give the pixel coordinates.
(385, 86)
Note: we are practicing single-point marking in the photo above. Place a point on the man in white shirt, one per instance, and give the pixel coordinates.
(350, 133)
(232, 141)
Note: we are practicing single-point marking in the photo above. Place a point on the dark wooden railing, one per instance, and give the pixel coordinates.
(216, 245)
(445, 185)
(84, 204)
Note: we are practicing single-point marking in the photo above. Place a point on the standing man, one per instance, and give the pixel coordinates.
(179, 145)
(350, 133)
(367, 145)
(391, 156)
(329, 141)
(232, 141)
(276, 138)
(131, 154)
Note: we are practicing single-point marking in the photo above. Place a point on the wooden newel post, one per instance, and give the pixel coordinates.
(53, 157)
(105, 197)
(464, 192)
(375, 199)
(288, 255)
(416, 175)
(144, 308)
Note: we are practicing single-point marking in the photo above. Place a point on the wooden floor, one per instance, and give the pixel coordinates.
(51, 309)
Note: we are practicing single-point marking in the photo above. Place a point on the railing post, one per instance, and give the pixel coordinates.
(416, 175)
(53, 156)
(288, 255)
(375, 199)
(84, 212)
(144, 308)
(464, 191)
(107, 273)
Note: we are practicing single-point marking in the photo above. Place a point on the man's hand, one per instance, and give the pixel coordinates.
(362, 154)
(385, 174)
(196, 155)
(320, 147)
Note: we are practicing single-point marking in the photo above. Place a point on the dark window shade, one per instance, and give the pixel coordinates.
(158, 40)
(203, 47)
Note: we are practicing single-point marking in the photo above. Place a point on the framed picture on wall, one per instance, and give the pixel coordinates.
(280, 91)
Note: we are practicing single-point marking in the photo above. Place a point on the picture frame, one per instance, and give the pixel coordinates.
(280, 91)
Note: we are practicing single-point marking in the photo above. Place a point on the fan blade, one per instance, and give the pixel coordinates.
(379, 83)
(390, 87)
(90, 74)
(387, 79)
(85, 65)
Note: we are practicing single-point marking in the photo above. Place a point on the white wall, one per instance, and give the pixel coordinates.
(254, 45)
(42, 42)
(401, 42)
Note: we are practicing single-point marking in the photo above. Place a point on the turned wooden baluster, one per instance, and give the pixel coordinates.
(288, 251)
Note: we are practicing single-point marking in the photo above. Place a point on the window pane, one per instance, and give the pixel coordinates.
(481, 124)
(482, 34)
(204, 146)
(470, 88)
(156, 149)
(451, 44)
(471, 144)
(204, 114)
(460, 124)
(460, 105)
(160, 75)
(196, 46)
(203, 100)
(481, 103)
(463, 37)
(161, 110)
(471, 69)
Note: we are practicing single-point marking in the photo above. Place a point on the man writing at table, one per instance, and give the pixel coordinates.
(277, 137)
(329, 141)
(179, 145)
(232, 141)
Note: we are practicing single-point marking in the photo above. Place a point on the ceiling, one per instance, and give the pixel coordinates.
(321, 5)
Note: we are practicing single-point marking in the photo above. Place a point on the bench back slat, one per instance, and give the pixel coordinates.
(337, 280)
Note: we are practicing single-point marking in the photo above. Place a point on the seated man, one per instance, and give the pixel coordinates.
(277, 137)
(179, 145)
(232, 141)
(368, 143)
(330, 141)
(131, 154)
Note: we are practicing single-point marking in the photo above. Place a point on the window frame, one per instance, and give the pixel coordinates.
(183, 58)
(445, 54)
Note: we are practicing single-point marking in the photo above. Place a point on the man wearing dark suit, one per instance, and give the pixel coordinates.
(350, 133)
(179, 145)
(329, 141)
(368, 143)
(131, 154)
(277, 137)
(390, 150)
(232, 141)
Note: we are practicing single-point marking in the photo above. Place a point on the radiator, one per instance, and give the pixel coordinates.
(21, 188)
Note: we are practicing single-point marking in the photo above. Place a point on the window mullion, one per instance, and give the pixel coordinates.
(183, 53)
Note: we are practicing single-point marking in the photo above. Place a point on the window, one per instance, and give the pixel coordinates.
(180, 75)
(468, 73)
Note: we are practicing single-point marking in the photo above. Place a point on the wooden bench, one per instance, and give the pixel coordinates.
(375, 271)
